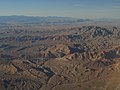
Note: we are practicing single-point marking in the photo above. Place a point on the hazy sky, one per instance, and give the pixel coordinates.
(70, 8)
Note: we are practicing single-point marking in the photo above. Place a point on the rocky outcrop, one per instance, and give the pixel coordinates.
(101, 32)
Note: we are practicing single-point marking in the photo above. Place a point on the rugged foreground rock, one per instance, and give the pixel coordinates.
(76, 58)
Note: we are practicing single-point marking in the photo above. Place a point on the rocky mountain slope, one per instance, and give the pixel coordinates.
(84, 57)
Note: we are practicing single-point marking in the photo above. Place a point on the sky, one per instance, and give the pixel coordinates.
(65, 8)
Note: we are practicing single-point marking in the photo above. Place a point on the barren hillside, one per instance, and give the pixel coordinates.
(78, 56)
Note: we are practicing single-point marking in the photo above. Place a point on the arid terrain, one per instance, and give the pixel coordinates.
(59, 54)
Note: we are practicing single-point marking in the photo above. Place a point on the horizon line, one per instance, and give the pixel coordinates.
(56, 16)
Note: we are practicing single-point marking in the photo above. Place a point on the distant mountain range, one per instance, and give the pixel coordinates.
(39, 20)
(50, 20)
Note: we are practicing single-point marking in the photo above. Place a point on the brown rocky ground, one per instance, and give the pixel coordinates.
(84, 57)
